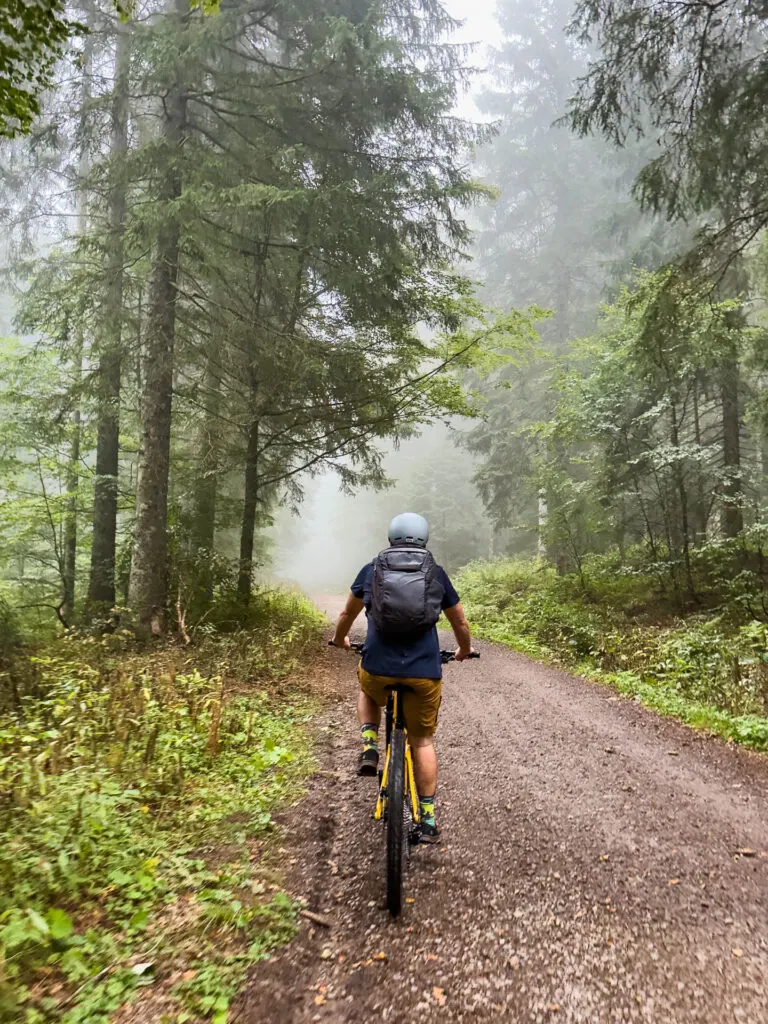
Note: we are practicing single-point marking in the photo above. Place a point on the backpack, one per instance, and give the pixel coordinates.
(406, 596)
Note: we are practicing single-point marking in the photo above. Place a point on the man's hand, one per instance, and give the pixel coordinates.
(352, 609)
(463, 653)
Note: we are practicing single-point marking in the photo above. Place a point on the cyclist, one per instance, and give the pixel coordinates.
(403, 591)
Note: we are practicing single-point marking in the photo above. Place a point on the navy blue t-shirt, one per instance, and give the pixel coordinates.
(419, 660)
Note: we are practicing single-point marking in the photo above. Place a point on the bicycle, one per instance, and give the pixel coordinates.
(397, 802)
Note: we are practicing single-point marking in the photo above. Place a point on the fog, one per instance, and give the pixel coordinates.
(336, 533)
(562, 233)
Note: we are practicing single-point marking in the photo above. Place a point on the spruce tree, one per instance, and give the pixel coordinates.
(101, 586)
(286, 173)
(692, 79)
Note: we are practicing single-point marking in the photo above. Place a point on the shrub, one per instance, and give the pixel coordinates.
(125, 780)
(609, 620)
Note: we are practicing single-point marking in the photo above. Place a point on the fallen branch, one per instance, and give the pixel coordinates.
(324, 922)
(88, 981)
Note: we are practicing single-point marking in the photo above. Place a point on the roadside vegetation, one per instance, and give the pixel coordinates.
(136, 796)
(614, 622)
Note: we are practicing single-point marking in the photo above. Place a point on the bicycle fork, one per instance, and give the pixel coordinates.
(389, 714)
(410, 781)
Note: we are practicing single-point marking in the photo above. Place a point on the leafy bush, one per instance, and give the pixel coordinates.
(132, 791)
(10, 640)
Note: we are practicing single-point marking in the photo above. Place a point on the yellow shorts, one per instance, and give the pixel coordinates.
(421, 701)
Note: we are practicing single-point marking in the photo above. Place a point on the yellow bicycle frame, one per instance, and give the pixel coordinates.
(410, 777)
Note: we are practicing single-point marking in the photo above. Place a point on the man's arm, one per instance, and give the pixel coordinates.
(352, 609)
(460, 627)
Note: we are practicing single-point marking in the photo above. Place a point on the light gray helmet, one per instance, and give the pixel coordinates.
(409, 528)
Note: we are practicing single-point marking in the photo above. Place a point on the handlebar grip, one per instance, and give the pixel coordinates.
(352, 647)
(446, 656)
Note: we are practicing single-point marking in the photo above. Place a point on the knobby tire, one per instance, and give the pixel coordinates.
(396, 831)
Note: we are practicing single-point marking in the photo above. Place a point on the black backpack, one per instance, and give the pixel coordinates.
(407, 596)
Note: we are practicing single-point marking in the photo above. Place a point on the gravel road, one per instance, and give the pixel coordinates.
(599, 864)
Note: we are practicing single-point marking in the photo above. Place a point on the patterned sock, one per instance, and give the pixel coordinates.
(427, 809)
(369, 733)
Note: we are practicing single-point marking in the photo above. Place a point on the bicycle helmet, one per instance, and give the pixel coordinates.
(409, 528)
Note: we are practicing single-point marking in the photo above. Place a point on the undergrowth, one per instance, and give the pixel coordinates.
(136, 793)
(708, 669)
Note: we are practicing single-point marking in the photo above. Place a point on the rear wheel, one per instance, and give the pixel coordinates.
(397, 835)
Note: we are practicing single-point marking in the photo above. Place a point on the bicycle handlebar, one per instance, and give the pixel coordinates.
(445, 656)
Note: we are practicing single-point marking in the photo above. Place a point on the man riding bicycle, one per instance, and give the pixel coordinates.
(403, 592)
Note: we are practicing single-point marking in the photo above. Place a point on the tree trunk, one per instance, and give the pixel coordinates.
(732, 518)
(734, 286)
(203, 531)
(650, 533)
(663, 488)
(204, 517)
(149, 570)
(204, 513)
(101, 587)
(69, 567)
(248, 527)
(700, 509)
(543, 516)
(682, 496)
(562, 273)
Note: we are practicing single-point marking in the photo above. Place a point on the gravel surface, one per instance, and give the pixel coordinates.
(598, 864)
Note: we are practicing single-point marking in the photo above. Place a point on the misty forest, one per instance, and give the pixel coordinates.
(275, 271)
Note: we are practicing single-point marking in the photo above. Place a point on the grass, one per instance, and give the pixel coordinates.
(707, 670)
(136, 797)
(747, 730)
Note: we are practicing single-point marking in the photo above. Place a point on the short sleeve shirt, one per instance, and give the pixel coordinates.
(417, 660)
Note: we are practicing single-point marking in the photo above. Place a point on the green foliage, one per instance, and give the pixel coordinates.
(314, 202)
(562, 234)
(35, 439)
(639, 446)
(209, 993)
(32, 35)
(132, 792)
(656, 60)
(10, 635)
(612, 623)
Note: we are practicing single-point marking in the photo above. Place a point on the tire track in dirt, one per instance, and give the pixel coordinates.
(589, 870)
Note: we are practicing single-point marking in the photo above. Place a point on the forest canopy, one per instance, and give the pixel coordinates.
(260, 268)
(256, 262)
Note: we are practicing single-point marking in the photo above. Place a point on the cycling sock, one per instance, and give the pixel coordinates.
(369, 733)
(427, 809)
